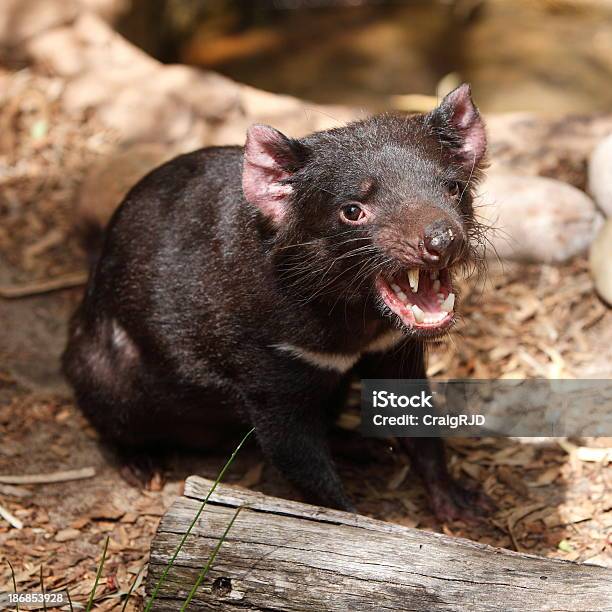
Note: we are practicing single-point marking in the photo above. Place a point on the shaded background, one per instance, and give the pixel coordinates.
(541, 55)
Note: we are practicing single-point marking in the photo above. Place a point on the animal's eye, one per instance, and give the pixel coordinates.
(455, 189)
(352, 213)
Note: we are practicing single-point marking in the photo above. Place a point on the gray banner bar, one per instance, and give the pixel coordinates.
(466, 408)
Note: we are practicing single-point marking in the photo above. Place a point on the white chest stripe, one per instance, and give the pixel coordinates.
(340, 362)
(385, 342)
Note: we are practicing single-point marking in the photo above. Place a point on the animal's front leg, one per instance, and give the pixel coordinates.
(448, 499)
(292, 432)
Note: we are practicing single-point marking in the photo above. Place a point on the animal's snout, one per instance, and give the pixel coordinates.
(441, 242)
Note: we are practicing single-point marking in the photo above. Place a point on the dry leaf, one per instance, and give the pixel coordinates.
(547, 477)
(507, 476)
(65, 535)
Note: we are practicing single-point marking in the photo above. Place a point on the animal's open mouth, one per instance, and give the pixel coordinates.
(423, 299)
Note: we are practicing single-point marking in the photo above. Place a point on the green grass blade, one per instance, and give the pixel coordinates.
(98, 574)
(170, 563)
(14, 583)
(129, 593)
(211, 559)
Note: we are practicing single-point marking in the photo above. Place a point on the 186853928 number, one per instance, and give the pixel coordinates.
(10, 600)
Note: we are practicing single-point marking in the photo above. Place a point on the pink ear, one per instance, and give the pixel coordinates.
(460, 116)
(268, 159)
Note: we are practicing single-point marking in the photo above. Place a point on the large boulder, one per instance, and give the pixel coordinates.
(23, 20)
(536, 219)
(601, 262)
(141, 100)
(600, 175)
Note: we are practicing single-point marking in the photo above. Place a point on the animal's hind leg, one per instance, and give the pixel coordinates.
(139, 412)
(105, 369)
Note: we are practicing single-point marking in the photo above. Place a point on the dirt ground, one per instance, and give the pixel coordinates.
(554, 496)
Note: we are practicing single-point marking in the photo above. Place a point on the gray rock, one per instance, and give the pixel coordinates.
(600, 261)
(600, 175)
(536, 219)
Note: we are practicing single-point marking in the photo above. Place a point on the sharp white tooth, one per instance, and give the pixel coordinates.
(436, 286)
(448, 304)
(413, 279)
(419, 315)
(402, 296)
(395, 287)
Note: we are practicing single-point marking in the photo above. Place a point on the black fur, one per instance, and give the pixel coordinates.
(195, 288)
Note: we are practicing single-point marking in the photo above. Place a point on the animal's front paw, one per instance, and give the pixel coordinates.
(450, 501)
(142, 472)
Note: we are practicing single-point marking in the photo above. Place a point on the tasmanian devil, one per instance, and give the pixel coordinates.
(260, 278)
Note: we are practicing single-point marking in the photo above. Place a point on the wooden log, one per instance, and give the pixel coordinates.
(282, 555)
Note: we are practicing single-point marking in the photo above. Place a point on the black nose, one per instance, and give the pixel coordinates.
(441, 242)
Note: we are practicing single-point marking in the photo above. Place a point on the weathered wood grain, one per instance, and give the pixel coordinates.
(283, 555)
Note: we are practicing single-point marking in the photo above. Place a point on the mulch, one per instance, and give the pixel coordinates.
(554, 496)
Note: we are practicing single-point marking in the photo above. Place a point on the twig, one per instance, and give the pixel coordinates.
(14, 583)
(12, 491)
(9, 518)
(87, 472)
(13, 292)
(42, 588)
(69, 601)
(594, 454)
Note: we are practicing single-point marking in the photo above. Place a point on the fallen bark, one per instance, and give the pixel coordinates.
(284, 555)
(68, 281)
(65, 476)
